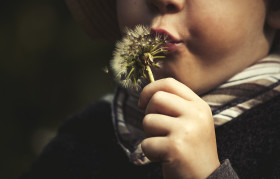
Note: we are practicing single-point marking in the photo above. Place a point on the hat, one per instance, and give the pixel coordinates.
(97, 17)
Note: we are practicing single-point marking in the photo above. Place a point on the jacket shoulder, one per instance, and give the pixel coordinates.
(251, 141)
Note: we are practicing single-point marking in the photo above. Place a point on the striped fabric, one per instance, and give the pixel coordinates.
(127, 121)
(255, 85)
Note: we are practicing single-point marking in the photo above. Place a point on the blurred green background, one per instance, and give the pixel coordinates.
(50, 69)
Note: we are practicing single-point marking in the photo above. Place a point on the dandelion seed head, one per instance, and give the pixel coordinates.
(133, 53)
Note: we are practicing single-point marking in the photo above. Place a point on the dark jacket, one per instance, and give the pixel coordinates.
(85, 147)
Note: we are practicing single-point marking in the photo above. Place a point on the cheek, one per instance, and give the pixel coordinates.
(222, 32)
(216, 38)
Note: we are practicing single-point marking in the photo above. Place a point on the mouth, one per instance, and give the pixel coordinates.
(172, 42)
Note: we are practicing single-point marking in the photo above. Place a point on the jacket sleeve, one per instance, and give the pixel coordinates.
(78, 151)
(224, 171)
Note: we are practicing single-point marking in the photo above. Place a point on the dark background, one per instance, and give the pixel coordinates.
(49, 70)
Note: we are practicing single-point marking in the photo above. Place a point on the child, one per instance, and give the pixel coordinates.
(213, 111)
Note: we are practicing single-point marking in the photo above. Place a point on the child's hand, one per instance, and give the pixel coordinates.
(180, 130)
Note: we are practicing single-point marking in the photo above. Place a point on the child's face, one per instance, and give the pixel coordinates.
(217, 38)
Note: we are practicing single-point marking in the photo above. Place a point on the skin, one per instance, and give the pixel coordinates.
(219, 39)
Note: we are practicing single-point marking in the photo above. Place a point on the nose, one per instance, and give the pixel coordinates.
(166, 6)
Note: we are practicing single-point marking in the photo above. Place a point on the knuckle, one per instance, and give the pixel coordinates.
(204, 117)
(176, 146)
(201, 115)
(206, 121)
(146, 120)
(144, 90)
(206, 106)
(169, 80)
(146, 144)
(186, 129)
(203, 110)
(157, 96)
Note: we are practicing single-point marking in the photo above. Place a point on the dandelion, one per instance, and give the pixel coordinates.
(135, 54)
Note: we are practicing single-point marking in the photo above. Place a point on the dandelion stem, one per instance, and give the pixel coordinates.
(158, 57)
(157, 45)
(130, 64)
(150, 74)
(130, 73)
(158, 51)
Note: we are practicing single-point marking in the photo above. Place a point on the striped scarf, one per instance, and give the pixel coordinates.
(254, 85)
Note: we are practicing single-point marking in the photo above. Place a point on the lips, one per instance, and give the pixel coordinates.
(173, 43)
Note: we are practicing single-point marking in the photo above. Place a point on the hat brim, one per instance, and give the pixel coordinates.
(97, 17)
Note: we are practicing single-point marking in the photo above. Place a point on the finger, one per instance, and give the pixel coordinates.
(169, 85)
(155, 148)
(158, 125)
(167, 104)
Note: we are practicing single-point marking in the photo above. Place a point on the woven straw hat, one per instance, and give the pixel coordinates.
(97, 17)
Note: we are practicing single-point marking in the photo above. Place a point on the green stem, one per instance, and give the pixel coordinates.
(158, 51)
(130, 72)
(150, 74)
(157, 45)
(158, 57)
